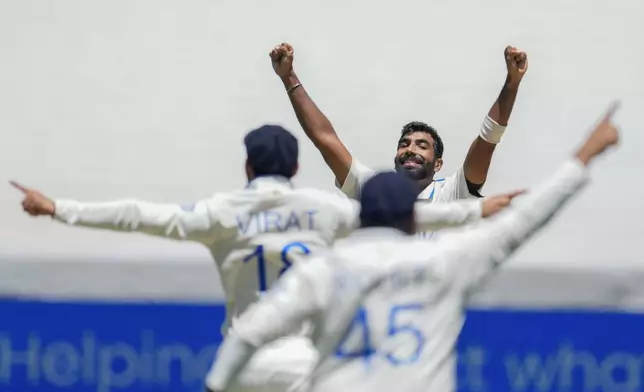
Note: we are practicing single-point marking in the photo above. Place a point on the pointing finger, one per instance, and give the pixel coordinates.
(514, 194)
(19, 187)
(612, 109)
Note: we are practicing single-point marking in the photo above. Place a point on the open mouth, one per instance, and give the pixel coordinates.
(412, 162)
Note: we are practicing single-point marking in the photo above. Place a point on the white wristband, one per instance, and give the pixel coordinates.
(491, 132)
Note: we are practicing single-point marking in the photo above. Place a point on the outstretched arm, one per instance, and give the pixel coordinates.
(166, 220)
(429, 216)
(436, 216)
(316, 125)
(473, 255)
(479, 156)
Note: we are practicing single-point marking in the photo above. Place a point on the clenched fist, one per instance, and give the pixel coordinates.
(282, 59)
(35, 203)
(516, 62)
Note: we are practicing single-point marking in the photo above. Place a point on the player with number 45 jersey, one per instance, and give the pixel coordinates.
(254, 235)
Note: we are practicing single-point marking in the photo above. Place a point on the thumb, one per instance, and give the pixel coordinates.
(19, 187)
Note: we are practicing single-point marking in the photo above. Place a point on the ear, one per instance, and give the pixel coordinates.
(295, 170)
(438, 164)
(411, 229)
(249, 171)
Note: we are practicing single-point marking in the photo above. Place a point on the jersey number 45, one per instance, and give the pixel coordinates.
(397, 328)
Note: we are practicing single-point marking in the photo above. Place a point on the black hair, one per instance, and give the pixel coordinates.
(418, 126)
(272, 151)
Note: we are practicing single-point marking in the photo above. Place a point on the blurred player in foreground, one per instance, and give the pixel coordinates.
(254, 235)
(409, 294)
(420, 149)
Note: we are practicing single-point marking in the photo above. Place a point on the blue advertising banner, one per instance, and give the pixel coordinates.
(132, 347)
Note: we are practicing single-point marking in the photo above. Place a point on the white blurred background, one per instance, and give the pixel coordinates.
(151, 99)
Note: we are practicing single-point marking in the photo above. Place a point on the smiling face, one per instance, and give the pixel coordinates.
(419, 153)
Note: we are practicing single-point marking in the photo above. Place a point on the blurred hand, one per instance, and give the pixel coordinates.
(494, 204)
(604, 135)
(516, 62)
(282, 59)
(35, 203)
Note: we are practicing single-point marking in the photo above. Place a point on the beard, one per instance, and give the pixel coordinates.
(424, 170)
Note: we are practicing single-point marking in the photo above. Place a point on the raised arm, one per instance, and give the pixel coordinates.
(316, 125)
(472, 256)
(478, 159)
(166, 220)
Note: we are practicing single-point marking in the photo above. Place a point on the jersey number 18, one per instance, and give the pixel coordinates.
(259, 255)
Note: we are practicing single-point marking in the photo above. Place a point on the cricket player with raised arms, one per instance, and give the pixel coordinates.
(419, 153)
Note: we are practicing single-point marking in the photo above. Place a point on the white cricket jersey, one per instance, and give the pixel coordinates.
(441, 190)
(450, 188)
(410, 296)
(254, 235)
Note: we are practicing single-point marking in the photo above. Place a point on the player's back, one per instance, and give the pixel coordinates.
(267, 227)
(409, 312)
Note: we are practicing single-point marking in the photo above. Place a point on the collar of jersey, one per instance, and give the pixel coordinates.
(429, 192)
(270, 181)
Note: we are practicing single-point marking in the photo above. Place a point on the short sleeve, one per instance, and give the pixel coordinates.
(454, 187)
(347, 211)
(358, 175)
